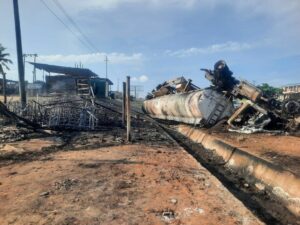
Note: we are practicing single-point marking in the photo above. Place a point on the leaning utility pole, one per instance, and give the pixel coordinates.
(20, 55)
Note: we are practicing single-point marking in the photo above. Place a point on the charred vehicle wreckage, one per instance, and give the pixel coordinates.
(242, 105)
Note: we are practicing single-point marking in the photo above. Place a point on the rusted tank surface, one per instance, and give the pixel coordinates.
(248, 90)
(205, 107)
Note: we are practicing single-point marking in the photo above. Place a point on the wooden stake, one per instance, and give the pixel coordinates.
(128, 113)
(124, 104)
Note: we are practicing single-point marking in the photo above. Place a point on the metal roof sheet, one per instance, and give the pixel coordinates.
(72, 71)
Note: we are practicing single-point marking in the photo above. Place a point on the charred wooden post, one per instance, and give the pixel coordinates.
(124, 104)
(128, 113)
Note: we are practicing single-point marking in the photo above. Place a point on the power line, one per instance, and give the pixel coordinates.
(57, 17)
(74, 24)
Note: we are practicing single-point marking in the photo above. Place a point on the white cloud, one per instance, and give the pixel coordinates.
(215, 48)
(141, 79)
(282, 15)
(114, 58)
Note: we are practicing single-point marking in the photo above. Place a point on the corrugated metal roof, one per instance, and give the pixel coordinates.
(72, 71)
(12, 81)
(103, 79)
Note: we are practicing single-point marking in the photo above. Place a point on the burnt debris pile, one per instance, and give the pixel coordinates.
(245, 107)
(61, 112)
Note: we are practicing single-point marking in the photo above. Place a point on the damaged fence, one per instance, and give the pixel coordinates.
(64, 112)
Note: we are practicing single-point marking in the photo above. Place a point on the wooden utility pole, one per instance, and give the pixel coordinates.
(128, 113)
(124, 104)
(20, 55)
(136, 89)
(34, 69)
(34, 60)
(106, 82)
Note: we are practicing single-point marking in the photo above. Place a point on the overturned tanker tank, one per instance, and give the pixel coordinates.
(205, 107)
(254, 111)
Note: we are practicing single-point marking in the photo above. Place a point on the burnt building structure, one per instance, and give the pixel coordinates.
(73, 80)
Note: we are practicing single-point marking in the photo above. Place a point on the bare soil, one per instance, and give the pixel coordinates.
(125, 184)
(73, 177)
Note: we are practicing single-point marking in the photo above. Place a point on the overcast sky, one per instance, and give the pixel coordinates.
(155, 40)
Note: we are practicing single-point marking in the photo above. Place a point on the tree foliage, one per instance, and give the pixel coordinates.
(4, 61)
(269, 90)
(3, 64)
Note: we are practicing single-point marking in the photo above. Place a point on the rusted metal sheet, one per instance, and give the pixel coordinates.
(248, 90)
(202, 106)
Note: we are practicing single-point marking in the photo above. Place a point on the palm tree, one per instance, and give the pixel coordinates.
(3, 64)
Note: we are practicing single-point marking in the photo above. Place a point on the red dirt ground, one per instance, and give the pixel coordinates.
(128, 184)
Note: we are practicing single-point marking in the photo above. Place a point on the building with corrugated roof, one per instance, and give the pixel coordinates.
(61, 79)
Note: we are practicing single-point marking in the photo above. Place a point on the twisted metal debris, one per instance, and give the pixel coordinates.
(64, 112)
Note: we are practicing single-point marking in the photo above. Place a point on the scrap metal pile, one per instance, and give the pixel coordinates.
(60, 112)
(241, 104)
(177, 85)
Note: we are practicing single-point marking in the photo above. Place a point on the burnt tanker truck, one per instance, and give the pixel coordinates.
(180, 100)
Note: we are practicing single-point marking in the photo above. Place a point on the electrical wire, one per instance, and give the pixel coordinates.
(69, 29)
(75, 24)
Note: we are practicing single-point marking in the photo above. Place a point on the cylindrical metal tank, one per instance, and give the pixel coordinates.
(202, 106)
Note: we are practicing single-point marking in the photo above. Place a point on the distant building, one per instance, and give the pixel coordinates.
(35, 88)
(61, 79)
(291, 91)
(12, 87)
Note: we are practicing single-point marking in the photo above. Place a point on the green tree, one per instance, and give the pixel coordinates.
(270, 91)
(4, 61)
